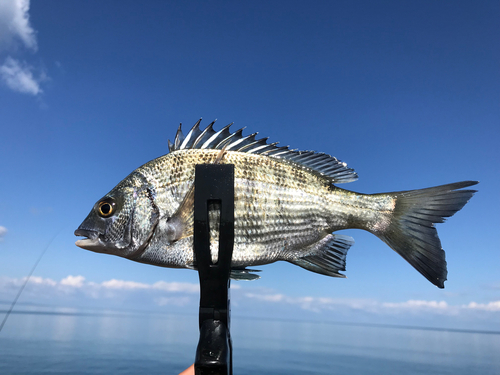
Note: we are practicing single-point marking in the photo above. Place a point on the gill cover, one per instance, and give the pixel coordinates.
(123, 221)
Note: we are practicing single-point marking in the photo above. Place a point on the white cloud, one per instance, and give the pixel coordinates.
(123, 285)
(169, 296)
(16, 31)
(177, 301)
(19, 77)
(159, 285)
(417, 307)
(41, 281)
(176, 287)
(491, 306)
(317, 304)
(266, 297)
(15, 25)
(74, 281)
(3, 231)
(417, 304)
(77, 288)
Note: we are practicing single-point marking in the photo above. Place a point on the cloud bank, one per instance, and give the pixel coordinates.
(108, 293)
(77, 292)
(16, 32)
(320, 304)
(481, 316)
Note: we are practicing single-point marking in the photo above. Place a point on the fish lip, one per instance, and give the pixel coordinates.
(90, 234)
(92, 242)
(87, 243)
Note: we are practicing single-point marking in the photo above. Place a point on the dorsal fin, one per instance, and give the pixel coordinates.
(208, 138)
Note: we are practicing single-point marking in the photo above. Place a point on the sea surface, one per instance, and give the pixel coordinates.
(137, 343)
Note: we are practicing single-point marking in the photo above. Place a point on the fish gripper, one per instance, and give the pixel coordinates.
(214, 189)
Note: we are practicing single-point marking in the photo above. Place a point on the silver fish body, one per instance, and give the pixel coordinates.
(287, 206)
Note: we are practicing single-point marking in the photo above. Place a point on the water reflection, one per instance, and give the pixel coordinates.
(161, 344)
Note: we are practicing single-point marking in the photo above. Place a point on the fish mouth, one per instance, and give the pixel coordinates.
(92, 242)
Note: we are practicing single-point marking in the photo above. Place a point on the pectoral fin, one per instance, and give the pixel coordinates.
(244, 274)
(180, 224)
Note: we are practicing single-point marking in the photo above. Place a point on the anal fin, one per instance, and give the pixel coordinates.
(327, 256)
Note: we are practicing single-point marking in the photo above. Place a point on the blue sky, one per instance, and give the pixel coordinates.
(407, 93)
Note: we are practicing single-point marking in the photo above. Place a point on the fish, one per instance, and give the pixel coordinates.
(287, 207)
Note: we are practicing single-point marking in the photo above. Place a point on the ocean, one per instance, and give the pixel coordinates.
(70, 342)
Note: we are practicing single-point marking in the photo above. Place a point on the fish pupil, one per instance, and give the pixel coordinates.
(106, 209)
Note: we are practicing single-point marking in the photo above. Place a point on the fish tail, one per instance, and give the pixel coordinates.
(411, 232)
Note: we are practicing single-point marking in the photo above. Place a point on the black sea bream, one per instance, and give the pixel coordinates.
(287, 206)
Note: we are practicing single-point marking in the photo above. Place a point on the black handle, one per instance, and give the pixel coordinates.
(214, 188)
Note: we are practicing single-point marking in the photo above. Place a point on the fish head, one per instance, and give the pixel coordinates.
(123, 221)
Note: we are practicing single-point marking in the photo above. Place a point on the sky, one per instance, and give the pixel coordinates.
(407, 93)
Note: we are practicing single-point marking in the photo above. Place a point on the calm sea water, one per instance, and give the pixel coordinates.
(37, 343)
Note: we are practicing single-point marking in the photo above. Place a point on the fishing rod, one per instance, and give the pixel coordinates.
(26, 281)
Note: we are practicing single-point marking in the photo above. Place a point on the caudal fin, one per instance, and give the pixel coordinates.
(411, 232)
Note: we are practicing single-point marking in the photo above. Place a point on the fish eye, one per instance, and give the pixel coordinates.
(106, 208)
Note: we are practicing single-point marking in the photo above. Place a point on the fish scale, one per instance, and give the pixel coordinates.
(287, 207)
(266, 200)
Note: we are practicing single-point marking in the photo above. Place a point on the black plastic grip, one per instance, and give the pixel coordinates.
(214, 186)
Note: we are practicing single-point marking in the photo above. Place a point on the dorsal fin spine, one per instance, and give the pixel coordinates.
(179, 137)
(322, 163)
(195, 129)
(261, 144)
(229, 140)
(239, 141)
(214, 137)
(207, 130)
